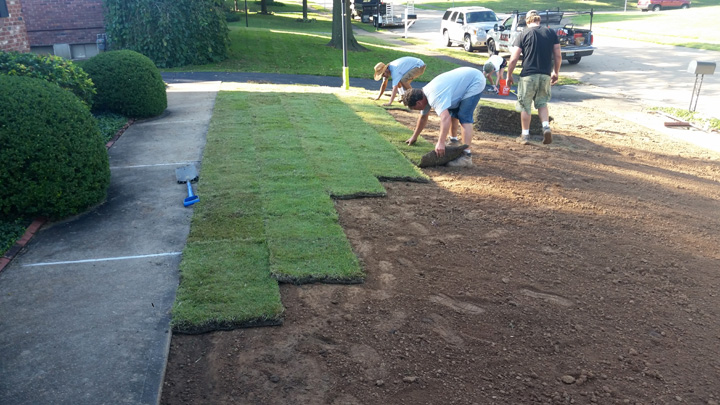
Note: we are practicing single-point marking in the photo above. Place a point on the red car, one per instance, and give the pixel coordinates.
(657, 5)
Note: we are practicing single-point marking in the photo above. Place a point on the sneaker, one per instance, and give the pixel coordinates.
(523, 139)
(547, 135)
(454, 140)
(462, 161)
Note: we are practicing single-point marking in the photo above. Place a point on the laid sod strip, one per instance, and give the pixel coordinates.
(381, 122)
(273, 158)
(305, 241)
(381, 155)
(334, 162)
(225, 285)
(225, 280)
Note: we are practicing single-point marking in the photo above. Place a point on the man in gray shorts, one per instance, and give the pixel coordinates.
(540, 49)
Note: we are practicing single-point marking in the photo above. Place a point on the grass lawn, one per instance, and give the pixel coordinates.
(275, 158)
(692, 28)
(280, 44)
(506, 6)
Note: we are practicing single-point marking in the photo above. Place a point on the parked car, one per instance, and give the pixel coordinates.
(657, 5)
(467, 26)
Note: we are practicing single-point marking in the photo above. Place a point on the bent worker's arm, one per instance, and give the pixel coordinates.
(558, 61)
(382, 88)
(514, 58)
(445, 125)
(393, 94)
(421, 122)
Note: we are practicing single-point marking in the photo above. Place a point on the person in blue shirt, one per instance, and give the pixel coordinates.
(453, 95)
(402, 72)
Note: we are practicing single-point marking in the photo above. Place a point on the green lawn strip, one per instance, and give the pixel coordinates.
(301, 48)
(507, 6)
(381, 156)
(225, 284)
(324, 133)
(266, 212)
(225, 277)
(394, 132)
(305, 241)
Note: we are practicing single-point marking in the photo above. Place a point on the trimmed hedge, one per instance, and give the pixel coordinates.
(128, 83)
(53, 161)
(51, 68)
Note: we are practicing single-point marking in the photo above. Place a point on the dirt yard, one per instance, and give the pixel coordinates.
(586, 271)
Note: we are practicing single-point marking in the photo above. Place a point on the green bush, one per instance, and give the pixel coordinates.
(53, 162)
(51, 68)
(127, 83)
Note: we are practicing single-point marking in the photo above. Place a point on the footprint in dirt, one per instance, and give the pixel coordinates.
(547, 297)
(440, 326)
(458, 306)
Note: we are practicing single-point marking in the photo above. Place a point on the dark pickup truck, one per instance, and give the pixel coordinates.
(575, 42)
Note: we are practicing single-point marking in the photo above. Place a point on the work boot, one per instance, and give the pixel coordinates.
(547, 135)
(523, 139)
(463, 161)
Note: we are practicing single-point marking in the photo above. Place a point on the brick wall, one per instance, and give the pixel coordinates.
(63, 21)
(13, 36)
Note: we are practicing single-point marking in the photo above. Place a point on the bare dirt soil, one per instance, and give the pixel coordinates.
(586, 271)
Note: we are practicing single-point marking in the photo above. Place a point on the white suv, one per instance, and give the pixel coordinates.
(467, 26)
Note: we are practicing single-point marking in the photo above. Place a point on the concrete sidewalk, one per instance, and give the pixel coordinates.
(85, 308)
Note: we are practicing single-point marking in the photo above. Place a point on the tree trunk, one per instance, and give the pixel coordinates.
(305, 10)
(336, 40)
(263, 7)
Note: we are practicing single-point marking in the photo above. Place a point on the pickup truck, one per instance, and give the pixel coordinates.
(574, 42)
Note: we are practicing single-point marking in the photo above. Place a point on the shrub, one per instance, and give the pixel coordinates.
(51, 68)
(53, 162)
(127, 83)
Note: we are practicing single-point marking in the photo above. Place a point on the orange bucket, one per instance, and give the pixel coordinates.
(503, 88)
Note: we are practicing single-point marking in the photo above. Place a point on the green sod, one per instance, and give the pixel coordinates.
(275, 158)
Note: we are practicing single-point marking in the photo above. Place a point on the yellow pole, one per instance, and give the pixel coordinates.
(346, 78)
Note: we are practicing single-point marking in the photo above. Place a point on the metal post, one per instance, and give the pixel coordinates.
(696, 92)
(346, 71)
(246, 17)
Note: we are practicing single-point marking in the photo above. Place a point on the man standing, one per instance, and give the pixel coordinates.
(541, 65)
(403, 71)
(454, 96)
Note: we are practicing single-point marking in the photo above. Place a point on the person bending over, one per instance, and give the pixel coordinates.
(453, 95)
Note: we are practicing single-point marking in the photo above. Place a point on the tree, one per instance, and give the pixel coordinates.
(305, 7)
(263, 7)
(336, 40)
